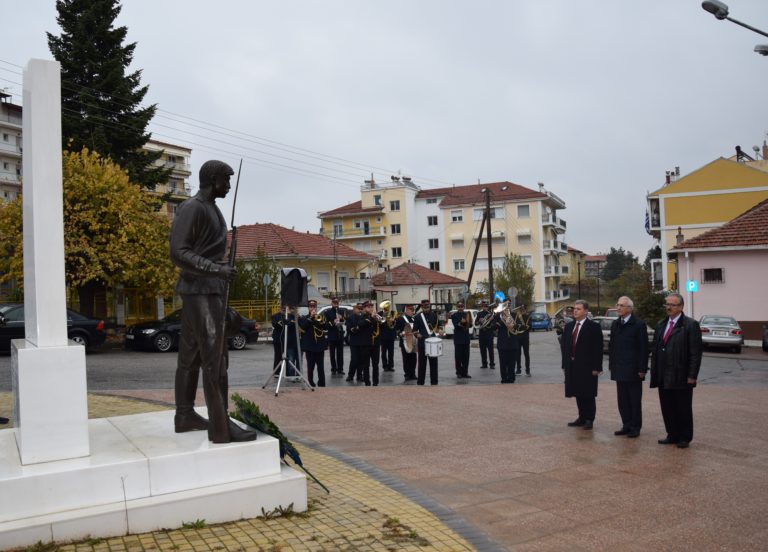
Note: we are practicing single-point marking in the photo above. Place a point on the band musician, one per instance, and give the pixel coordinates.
(462, 322)
(335, 317)
(427, 324)
(368, 328)
(404, 327)
(387, 336)
(313, 328)
(354, 343)
(523, 323)
(485, 334)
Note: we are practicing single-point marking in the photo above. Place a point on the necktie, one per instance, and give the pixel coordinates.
(669, 331)
(574, 336)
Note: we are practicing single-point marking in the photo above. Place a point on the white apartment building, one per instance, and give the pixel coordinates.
(10, 148)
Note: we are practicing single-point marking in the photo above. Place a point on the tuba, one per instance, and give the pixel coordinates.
(513, 322)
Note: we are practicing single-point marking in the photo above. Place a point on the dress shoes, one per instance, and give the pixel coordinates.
(340, 372)
(493, 366)
(633, 433)
(528, 373)
(578, 422)
(240, 435)
(484, 366)
(189, 421)
(349, 379)
(518, 372)
(666, 441)
(587, 424)
(682, 444)
(622, 431)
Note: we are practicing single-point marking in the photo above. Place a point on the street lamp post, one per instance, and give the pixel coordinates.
(720, 11)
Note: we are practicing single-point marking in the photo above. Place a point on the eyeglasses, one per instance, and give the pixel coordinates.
(672, 305)
(621, 305)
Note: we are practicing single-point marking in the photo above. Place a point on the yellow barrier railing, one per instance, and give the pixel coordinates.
(261, 311)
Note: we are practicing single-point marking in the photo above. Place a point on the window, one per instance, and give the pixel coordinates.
(394, 229)
(458, 244)
(482, 264)
(397, 252)
(431, 200)
(5, 137)
(458, 265)
(434, 265)
(524, 239)
(377, 200)
(433, 243)
(496, 213)
(338, 229)
(5, 165)
(394, 205)
(432, 220)
(523, 211)
(358, 224)
(457, 215)
(528, 260)
(712, 276)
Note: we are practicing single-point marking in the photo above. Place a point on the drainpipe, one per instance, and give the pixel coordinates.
(690, 294)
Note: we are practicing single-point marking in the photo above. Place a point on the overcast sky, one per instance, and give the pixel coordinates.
(596, 99)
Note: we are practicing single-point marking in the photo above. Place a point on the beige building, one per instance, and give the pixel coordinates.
(10, 148)
(399, 222)
(176, 158)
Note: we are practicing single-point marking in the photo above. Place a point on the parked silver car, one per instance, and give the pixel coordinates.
(721, 331)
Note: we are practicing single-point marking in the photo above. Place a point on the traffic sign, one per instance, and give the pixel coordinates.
(692, 286)
(499, 296)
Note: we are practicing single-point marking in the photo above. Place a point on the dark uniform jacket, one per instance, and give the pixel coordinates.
(366, 328)
(198, 242)
(461, 333)
(400, 324)
(588, 357)
(352, 331)
(505, 341)
(387, 332)
(672, 364)
(279, 326)
(432, 321)
(313, 334)
(628, 349)
(335, 333)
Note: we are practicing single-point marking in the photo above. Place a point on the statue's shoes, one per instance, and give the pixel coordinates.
(239, 435)
(191, 421)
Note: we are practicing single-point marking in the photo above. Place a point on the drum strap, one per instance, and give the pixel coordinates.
(426, 325)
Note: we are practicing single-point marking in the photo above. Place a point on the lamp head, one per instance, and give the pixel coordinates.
(762, 49)
(716, 8)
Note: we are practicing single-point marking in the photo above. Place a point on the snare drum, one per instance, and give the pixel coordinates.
(433, 347)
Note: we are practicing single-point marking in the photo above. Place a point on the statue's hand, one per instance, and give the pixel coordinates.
(227, 272)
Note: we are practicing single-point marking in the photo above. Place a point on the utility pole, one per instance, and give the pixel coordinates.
(335, 265)
(579, 280)
(490, 248)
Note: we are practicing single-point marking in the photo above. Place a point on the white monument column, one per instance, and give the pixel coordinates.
(49, 378)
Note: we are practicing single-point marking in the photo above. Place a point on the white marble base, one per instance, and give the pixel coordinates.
(50, 408)
(140, 476)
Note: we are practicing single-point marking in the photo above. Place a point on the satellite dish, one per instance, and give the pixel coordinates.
(512, 292)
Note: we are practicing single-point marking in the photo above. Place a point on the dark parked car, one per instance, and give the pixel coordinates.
(163, 335)
(88, 332)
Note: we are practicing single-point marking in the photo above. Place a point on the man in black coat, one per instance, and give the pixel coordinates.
(314, 342)
(582, 362)
(335, 318)
(675, 362)
(462, 321)
(628, 363)
(485, 335)
(354, 343)
(508, 346)
(426, 324)
(403, 327)
(523, 323)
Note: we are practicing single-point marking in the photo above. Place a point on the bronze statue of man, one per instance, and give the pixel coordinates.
(198, 248)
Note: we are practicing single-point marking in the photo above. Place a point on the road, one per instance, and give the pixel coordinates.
(115, 368)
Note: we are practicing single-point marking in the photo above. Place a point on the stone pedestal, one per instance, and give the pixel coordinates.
(141, 476)
(50, 406)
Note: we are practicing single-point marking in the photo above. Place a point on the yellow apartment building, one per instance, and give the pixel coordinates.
(438, 228)
(177, 188)
(706, 198)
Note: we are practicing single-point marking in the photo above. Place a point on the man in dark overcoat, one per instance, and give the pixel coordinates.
(675, 361)
(426, 324)
(314, 342)
(354, 343)
(409, 358)
(485, 335)
(628, 363)
(582, 362)
(335, 318)
(508, 346)
(462, 322)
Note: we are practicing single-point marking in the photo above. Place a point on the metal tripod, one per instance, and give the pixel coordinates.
(279, 371)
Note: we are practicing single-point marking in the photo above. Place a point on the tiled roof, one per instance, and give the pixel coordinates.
(574, 250)
(596, 258)
(411, 274)
(351, 209)
(283, 242)
(749, 229)
(463, 195)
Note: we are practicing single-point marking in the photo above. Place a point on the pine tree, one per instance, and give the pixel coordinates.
(101, 101)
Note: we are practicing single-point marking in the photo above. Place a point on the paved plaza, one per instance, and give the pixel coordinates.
(482, 466)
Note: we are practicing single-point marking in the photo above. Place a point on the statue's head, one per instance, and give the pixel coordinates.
(211, 170)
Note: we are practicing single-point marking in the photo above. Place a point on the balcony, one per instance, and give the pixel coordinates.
(557, 295)
(10, 150)
(554, 247)
(356, 233)
(557, 224)
(654, 218)
(556, 270)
